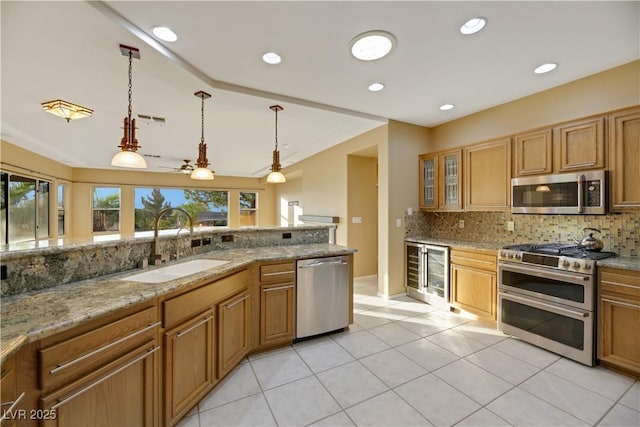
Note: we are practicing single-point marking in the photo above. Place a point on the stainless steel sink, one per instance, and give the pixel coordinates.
(172, 272)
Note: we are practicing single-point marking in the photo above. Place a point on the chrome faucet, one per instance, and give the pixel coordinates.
(178, 241)
(157, 256)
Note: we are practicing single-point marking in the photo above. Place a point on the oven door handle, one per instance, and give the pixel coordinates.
(549, 307)
(535, 271)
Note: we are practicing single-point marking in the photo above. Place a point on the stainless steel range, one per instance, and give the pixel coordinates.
(546, 296)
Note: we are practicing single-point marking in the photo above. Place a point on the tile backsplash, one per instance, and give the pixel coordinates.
(620, 232)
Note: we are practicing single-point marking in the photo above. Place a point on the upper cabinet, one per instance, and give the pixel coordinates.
(624, 152)
(428, 168)
(487, 175)
(441, 180)
(533, 153)
(581, 145)
(450, 180)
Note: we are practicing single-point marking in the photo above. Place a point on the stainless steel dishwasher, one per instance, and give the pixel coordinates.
(322, 295)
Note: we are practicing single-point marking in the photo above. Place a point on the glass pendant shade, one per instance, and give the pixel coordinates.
(276, 178)
(129, 159)
(202, 173)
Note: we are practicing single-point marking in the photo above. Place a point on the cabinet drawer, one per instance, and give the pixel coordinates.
(623, 283)
(71, 359)
(481, 260)
(185, 306)
(278, 273)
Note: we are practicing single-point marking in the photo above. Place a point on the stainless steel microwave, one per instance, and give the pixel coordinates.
(567, 193)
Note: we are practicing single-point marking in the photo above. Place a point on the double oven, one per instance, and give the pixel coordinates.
(546, 296)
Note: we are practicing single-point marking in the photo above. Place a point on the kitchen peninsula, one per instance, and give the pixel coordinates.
(113, 331)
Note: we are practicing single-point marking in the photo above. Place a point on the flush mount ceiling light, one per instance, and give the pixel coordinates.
(446, 107)
(473, 25)
(372, 45)
(272, 58)
(376, 87)
(201, 171)
(545, 68)
(67, 110)
(276, 176)
(165, 33)
(128, 156)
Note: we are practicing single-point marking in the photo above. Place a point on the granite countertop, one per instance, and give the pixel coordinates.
(625, 263)
(32, 316)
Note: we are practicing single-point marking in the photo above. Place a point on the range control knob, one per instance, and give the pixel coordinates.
(566, 264)
(518, 256)
(587, 266)
(510, 255)
(576, 265)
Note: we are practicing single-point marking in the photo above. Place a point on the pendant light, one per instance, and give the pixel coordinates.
(128, 156)
(276, 176)
(202, 172)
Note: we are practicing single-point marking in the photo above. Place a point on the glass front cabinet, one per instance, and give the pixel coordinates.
(441, 181)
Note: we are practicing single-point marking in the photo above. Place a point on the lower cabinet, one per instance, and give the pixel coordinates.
(474, 282)
(234, 318)
(103, 373)
(277, 313)
(9, 398)
(190, 355)
(619, 319)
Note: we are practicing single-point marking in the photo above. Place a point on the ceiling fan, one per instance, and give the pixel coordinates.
(186, 168)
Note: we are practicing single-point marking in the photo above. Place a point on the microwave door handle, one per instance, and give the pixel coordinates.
(580, 193)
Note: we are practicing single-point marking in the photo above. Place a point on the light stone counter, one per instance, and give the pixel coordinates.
(624, 263)
(29, 317)
(455, 243)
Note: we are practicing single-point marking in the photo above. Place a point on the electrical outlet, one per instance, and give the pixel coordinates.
(206, 241)
(461, 223)
(195, 243)
(511, 226)
(227, 238)
(286, 235)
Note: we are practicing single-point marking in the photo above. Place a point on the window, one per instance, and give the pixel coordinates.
(206, 207)
(248, 209)
(25, 208)
(60, 209)
(106, 209)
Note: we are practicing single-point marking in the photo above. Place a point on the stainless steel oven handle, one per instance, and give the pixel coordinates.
(568, 276)
(538, 304)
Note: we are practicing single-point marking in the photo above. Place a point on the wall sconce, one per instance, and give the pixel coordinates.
(67, 110)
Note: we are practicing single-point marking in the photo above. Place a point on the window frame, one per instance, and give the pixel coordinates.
(94, 209)
(39, 217)
(254, 209)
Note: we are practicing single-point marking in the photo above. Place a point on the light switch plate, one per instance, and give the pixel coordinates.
(511, 226)
(398, 222)
(356, 220)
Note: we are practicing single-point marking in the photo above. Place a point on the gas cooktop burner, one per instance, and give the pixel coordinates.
(560, 249)
(562, 256)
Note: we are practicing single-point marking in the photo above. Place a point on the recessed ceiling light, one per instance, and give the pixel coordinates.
(376, 87)
(446, 107)
(372, 45)
(473, 25)
(272, 58)
(164, 33)
(545, 68)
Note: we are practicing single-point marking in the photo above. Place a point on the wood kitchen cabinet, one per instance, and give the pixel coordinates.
(533, 153)
(8, 392)
(234, 331)
(624, 152)
(190, 356)
(619, 319)
(580, 145)
(428, 167)
(277, 303)
(487, 176)
(104, 372)
(474, 282)
(441, 181)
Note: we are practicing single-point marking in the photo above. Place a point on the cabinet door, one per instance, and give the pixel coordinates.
(189, 364)
(277, 313)
(618, 342)
(428, 167)
(487, 176)
(624, 140)
(533, 153)
(8, 393)
(125, 394)
(581, 145)
(233, 332)
(450, 180)
(474, 291)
